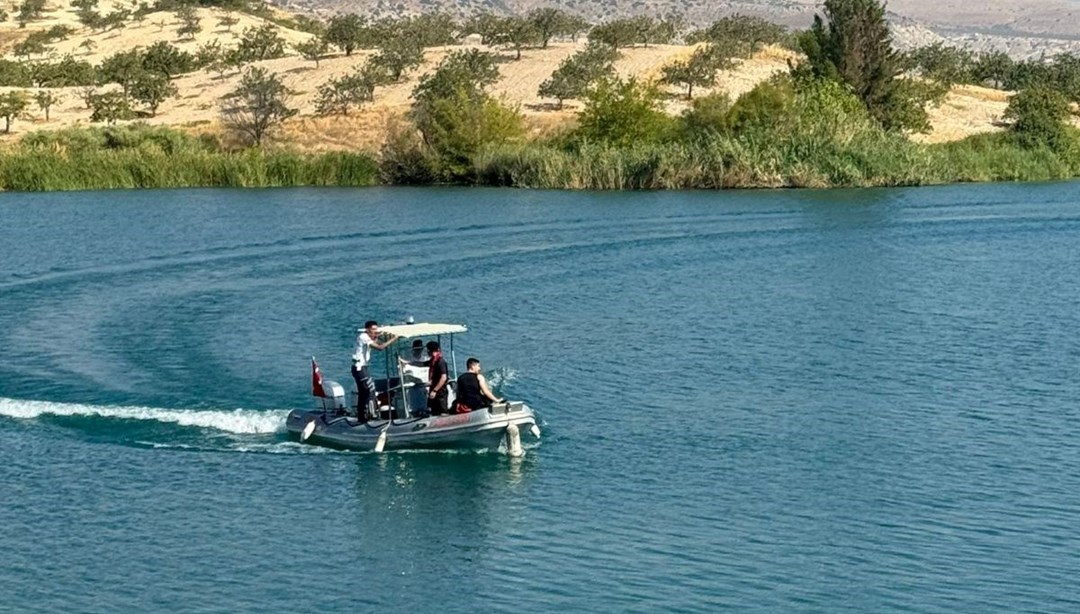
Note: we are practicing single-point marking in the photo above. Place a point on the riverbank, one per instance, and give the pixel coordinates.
(137, 156)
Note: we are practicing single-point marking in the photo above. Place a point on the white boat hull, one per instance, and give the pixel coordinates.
(480, 429)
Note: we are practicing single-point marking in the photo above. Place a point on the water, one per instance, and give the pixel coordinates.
(841, 401)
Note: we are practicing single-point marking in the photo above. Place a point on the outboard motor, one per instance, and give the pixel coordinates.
(333, 399)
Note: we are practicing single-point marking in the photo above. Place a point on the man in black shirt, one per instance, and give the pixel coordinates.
(438, 379)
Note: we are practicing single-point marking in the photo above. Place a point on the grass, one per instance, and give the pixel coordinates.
(144, 157)
(759, 162)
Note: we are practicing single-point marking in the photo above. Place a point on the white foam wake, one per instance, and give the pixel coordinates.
(246, 421)
(501, 377)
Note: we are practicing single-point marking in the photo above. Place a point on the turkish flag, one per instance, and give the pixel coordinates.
(316, 379)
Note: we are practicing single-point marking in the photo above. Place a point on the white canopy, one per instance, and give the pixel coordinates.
(423, 329)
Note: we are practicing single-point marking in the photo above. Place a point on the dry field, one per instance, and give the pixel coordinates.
(966, 111)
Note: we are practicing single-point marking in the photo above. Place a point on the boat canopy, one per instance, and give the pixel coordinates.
(423, 329)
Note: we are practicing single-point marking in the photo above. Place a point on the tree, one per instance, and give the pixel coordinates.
(109, 107)
(856, 48)
(707, 115)
(257, 105)
(121, 68)
(396, 58)
(12, 106)
(425, 30)
(617, 33)
(484, 23)
(345, 32)
(576, 73)
(45, 101)
(151, 89)
(744, 33)
(29, 47)
(946, 64)
(114, 20)
(313, 49)
(700, 69)
(88, 46)
(622, 113)
(261, 43)
(338, 95)
(519, 33)
(457, 126)
(994, 67)
(228, 20)
(29, 10)
(469, 71)
(551, 22)
(190, 22)
(167, 60)
(1038, 117)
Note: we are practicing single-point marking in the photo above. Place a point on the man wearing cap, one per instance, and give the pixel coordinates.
(367, 338)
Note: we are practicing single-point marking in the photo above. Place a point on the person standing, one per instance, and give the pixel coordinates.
(472, 389)
(367, 339)
(438, 380)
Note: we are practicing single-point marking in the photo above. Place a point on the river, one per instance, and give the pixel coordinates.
(793, 401)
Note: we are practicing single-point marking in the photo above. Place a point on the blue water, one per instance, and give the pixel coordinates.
(837, 401)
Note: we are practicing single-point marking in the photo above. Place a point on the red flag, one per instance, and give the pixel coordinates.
(316, 379)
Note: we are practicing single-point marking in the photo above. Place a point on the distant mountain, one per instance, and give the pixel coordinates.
(1047, 18)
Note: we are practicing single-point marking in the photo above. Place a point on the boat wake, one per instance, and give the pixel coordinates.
(238, 421)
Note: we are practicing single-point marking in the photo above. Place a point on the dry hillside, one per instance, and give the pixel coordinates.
(966, 111)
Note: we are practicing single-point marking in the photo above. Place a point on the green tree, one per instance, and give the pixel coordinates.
(993, 67)
(227, 20)
(45, 101)
(457, 126)
(115, 20)
(152, 89)
(29, 47)
(551, 22)
(487, 25)
(394, 59)
(856, 48)
(190, 22)
(121, 68)
(623, 113)
(767, 106)
(167, 60)
(207, 54)
(346, 32)
(257, 105)
(338, 95)
(12, 106)
(15, 74)
(700, 70)
(1038, 117)
(88, 46)
(109, 107)
(943, 63)
(425, 30)
(469, 71)
(29, 10)
(261, 43)
(707, 115)
(616, 34)
(576, 73)
(313, 49)
(456, 116)
(514, 32)
(745, 34)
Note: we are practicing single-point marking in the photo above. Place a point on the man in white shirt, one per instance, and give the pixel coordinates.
(365, 386)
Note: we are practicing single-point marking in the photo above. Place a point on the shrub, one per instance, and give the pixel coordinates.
(622, 113)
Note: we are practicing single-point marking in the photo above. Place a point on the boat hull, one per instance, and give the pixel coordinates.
(480, 429)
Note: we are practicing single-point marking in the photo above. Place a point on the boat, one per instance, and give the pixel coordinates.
(402, 421)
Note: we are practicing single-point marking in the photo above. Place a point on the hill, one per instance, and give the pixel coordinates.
(966, 111)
